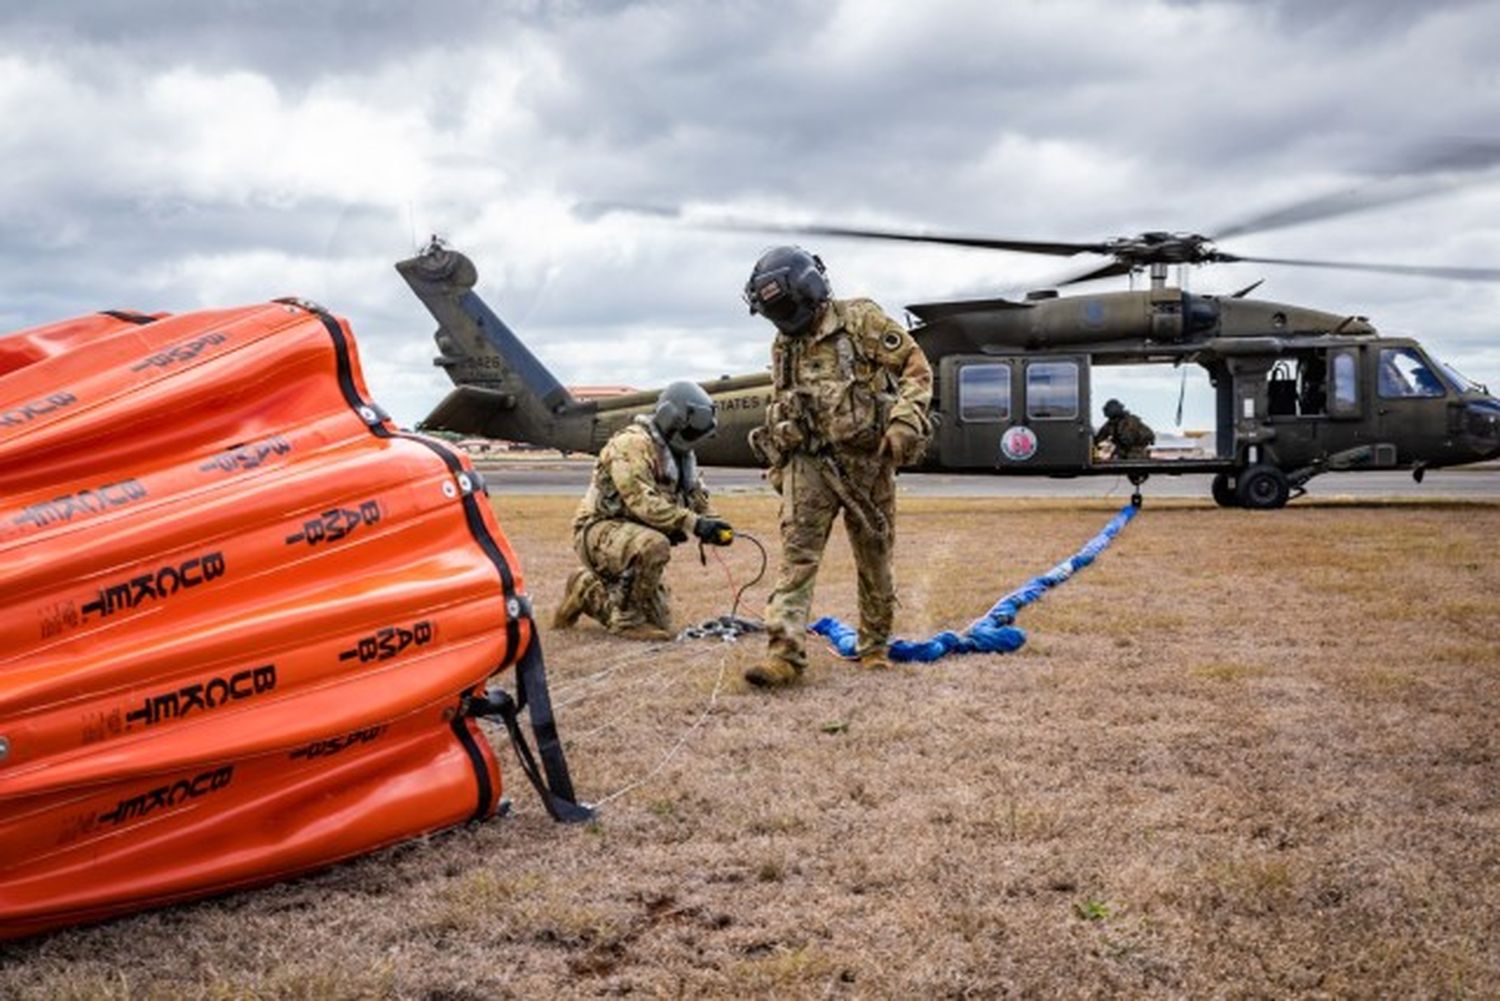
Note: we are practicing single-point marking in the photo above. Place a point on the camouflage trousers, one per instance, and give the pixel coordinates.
(622, 586)
(811, 497)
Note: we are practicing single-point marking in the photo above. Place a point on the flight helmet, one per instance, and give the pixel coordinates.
(787, 287)
(1113, 409)
(685, 415)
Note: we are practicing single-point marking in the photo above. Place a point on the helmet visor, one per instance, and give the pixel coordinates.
(701, 422)
(772, 298)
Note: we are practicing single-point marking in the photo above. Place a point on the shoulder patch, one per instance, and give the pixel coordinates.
(891, 341)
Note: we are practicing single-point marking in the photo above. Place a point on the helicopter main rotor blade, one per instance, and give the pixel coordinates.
(1437, 169)
(1105, 269)
(1420, 270)
(593, 210)
(1053, 247)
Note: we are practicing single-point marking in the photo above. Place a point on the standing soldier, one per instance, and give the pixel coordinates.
(849, 405)
(1130, 435)
(646, 496)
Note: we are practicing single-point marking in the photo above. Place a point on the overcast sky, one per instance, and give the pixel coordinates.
(171, 156)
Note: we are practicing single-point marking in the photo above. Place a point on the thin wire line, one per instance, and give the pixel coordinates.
(694, 655)
(617, 663)
(672, 674)
(713, 700)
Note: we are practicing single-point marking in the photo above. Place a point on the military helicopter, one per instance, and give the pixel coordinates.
(1299, 392)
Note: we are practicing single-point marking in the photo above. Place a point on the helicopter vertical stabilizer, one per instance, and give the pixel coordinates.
(502, 390)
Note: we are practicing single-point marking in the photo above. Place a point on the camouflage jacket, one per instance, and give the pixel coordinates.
(1126, 431)
(841, 384)
(638, 477)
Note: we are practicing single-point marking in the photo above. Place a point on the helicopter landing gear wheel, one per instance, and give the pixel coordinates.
(1263, 488)
(1224, 492)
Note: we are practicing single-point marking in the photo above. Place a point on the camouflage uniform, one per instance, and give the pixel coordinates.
(836, 390)
(643, 499)
(1131, 436)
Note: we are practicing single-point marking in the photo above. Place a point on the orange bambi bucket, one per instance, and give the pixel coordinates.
(245, 623)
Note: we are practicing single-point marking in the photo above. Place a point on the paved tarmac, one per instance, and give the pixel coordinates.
(1470, 483)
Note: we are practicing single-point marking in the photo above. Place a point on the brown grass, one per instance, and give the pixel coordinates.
(1244, 755)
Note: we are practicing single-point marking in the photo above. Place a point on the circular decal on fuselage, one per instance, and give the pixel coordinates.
(1019, 443)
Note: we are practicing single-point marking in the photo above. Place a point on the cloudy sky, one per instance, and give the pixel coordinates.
(170, 156)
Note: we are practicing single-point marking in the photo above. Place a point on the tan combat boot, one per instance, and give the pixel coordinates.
(573, 600)
(773, 672)
(634, 626)
(874, 660)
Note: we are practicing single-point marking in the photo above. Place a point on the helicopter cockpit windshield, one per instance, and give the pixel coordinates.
(1463, 382)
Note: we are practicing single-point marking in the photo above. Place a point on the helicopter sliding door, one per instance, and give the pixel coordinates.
(1016, 413)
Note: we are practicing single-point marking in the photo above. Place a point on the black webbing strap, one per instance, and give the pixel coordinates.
(551, 781)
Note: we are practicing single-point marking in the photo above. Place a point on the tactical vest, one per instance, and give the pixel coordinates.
(675, 474)
(1132, 432)
(835, 392)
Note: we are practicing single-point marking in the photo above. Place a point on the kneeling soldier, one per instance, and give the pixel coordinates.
(1130, 436)
(646, 496)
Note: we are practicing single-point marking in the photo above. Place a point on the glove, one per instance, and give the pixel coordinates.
(901, 444)
(713, 531)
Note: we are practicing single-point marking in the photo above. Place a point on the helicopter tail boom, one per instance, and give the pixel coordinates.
(501, 389)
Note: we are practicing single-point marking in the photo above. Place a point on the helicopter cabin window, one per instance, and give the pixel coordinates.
(1403, 374)
(1052, 389)
(1345, 398)
(984, 393)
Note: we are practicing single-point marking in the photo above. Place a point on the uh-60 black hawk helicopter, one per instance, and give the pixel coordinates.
(1299, 391)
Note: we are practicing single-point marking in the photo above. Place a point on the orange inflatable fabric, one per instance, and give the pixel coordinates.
(245, 622)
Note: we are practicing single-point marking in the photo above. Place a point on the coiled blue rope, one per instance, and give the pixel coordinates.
(994, 632)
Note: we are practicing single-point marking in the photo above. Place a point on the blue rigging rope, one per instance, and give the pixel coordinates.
(994, 632)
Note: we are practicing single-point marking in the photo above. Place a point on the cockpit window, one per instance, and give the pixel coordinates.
(1403, 374)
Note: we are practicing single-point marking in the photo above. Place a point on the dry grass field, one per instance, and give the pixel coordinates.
(1244, 755)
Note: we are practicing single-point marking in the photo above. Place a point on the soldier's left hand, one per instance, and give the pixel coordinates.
(901, 444)
(714, 531)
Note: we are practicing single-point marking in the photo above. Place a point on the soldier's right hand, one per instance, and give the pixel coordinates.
(714, 531)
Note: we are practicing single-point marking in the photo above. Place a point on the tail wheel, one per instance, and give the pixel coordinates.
(1263, 488)
(1224, 492)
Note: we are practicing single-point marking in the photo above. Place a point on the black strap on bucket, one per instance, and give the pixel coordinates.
(556, 788)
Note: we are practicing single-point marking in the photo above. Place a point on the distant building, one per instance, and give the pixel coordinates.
(1187, 445)
(481, 446)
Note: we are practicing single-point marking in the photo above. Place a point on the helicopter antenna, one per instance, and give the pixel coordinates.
(1181, 394)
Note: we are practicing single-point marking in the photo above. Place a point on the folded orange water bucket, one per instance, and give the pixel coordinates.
(245, 622)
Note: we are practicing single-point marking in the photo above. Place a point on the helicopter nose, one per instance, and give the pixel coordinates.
(1482, 426)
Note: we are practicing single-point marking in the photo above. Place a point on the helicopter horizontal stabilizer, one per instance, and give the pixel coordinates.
(471, 410)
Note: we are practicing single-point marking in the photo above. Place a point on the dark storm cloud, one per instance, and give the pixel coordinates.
(908, 126)
(292, 41)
